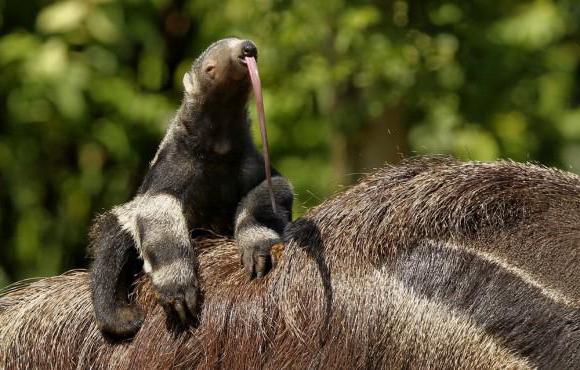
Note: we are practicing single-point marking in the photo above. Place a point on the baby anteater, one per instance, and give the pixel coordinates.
(207, 175)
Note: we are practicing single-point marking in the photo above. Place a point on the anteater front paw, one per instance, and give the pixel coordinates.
(260, 257)
(179, 297)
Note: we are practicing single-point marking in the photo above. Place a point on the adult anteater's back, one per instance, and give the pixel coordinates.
(432, 263)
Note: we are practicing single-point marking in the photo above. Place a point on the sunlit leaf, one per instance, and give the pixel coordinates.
(62, 16)
(101, 26)
(534, 26)
(17, 46)
(50, 60)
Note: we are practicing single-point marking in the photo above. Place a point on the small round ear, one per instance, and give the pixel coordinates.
(189, 83)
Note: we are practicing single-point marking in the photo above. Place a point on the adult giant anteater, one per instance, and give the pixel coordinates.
(433, 263)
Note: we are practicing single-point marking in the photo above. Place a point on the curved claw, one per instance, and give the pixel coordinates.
(259, 259)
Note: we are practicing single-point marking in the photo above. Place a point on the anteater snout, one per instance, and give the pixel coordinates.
(249, 49)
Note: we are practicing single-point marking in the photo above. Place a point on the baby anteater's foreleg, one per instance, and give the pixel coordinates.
(112, 274)
(258, 228)
(168, 255)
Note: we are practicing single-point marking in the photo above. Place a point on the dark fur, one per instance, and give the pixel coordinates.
(430, 264)
(206, 168)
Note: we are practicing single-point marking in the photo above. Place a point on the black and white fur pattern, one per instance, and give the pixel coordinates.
(207, 175)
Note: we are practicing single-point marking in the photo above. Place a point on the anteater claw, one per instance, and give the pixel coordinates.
(259, 259)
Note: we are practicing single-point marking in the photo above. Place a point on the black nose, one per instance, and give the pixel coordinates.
(249, 49)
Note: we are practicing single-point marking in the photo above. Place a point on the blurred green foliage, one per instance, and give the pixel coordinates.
(87, 87)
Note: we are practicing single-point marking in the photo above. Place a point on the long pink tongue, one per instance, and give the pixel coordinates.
(257, 85)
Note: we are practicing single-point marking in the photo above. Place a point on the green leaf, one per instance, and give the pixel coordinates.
(62, 16)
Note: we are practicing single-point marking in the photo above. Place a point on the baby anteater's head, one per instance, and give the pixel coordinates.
(220, 73)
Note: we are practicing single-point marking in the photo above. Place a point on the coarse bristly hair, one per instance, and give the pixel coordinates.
(433, 263)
